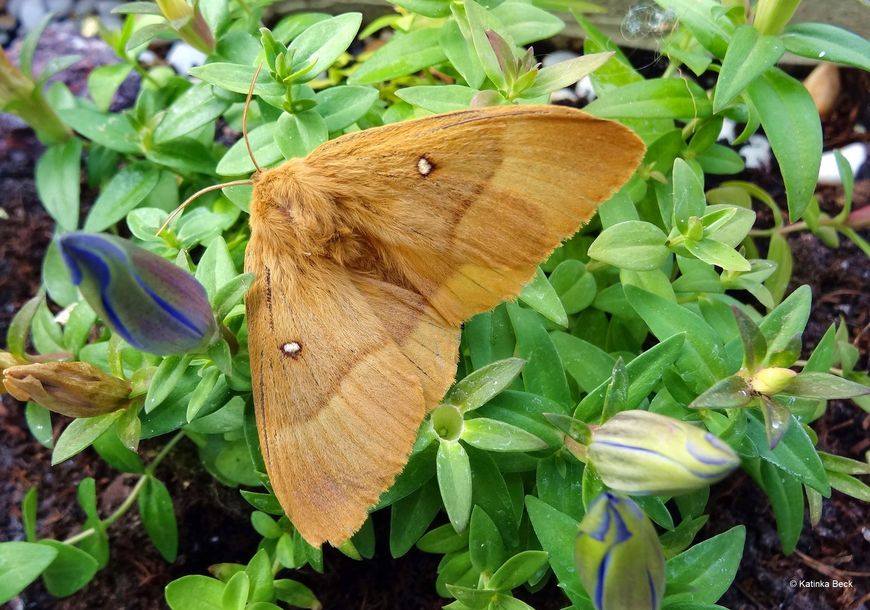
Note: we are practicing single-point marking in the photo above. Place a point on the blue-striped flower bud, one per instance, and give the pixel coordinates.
(641, 453)
(151, 303)
(619, 557)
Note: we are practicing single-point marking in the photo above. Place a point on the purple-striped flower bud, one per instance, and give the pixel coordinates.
(619, 557)
(642, 453)
(151, 303)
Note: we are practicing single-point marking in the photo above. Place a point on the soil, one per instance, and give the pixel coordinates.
(213, 519)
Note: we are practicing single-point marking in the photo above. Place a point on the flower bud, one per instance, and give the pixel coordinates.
(74, 389)
(640, 453)
(154, 305)
(189, 22)
(6, 360)
(772, 380)
(619, 557)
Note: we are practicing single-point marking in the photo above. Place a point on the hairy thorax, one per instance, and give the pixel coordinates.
(298, 215)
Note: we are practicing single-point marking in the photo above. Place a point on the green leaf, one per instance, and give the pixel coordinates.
(215, 268)
(849, 485)
(296, 594)
(666, 318)
(786, 498)
(556, 531)
(71, 569)
(265, 525)
(80, 433)
(493, 435)
(717, 253)
(259, 571)
(200, 592)
(838, 463)
(427, 8)
(787, 321)
(323, 43)
(779, 252)
(113, 131)
(104, 81)
(795, 454)
(824, 386)
(235, 595)
(543, 373)
(565, 73)
(20, 564)
(706, 570)
(791, 123)
(574, 285)
(525, 23)
(58, 179)
(19, 328)
(195, 108)
(28, 47)
(401, 56)
(127, 189)
(657, 98)
(460, 53)
(749, 55)
(438, 98)
(158, 517)
(540, 295)
(454, 481)
(485, 545)
(731, 392)
(632, 244)
(231, 294)
(39, 423)
(237, 162)
(411, 516)
(706, 20)
(168, 374)
(344, 105)
(145, 34)
(298, 134)
(477, 388)
(237, 78)
(688, 195)
(523, 567)
(826, 42)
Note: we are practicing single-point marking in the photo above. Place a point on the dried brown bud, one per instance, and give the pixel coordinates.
(74, 389)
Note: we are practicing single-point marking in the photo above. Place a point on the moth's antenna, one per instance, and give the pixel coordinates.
(245, 118)
(195, 196)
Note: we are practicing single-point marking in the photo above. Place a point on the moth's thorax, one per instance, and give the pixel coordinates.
(296, 211)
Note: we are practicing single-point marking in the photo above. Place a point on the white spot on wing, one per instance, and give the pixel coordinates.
(424, 166)
(291, 349)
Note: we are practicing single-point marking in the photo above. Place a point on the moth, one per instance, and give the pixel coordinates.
(370, 253)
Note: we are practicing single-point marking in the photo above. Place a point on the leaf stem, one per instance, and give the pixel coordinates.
(128, 502)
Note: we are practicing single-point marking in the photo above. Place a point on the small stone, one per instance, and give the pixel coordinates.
(756, 153)
(183, 57)
(584, 89)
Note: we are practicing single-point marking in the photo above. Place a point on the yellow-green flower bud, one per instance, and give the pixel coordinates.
(772, 380)
(619, 557)
(641, 453)
(74, 389)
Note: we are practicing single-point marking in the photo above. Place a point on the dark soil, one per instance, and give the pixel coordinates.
(213, 520)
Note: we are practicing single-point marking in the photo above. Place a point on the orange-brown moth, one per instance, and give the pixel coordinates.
(369, 254)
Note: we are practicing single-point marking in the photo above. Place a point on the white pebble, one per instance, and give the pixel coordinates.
(856, 155)
(756, 153)
(183, 57)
